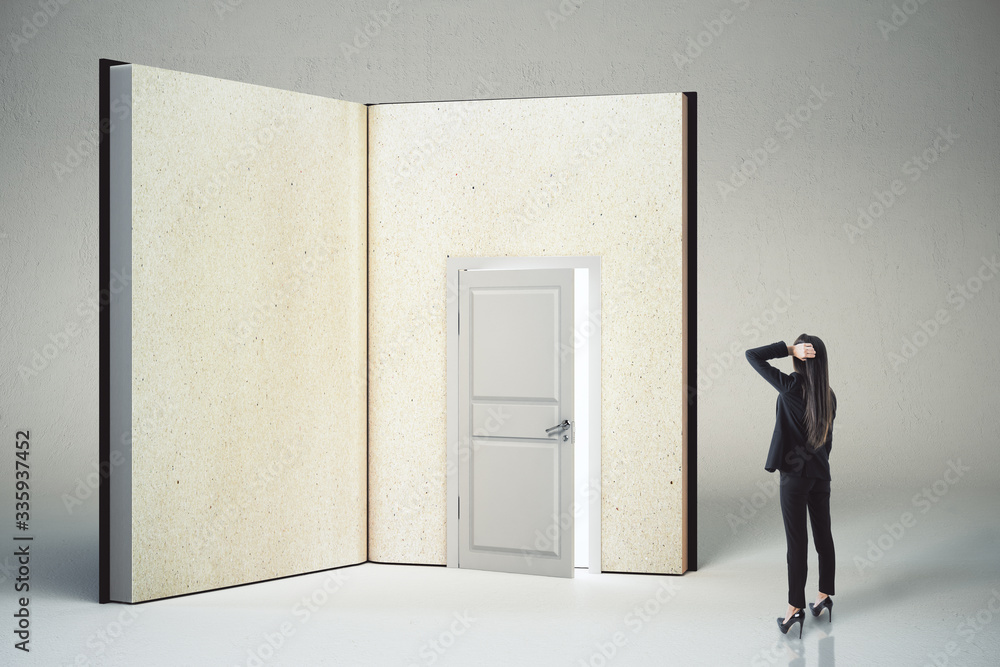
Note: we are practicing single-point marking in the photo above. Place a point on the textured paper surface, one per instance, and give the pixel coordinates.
(563, 176)
(249, 338)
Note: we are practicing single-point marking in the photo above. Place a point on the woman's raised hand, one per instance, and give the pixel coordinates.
(803, 351)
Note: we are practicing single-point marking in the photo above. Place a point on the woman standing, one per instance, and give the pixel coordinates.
(800, 450)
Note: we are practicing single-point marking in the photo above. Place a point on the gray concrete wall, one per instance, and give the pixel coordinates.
(884, 86)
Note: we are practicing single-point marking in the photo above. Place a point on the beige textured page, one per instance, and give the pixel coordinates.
(249, 335)
(559, 176)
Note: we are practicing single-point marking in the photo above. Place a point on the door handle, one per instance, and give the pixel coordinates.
(563, 425)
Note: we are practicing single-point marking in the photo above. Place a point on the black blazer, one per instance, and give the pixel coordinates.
(789, 450)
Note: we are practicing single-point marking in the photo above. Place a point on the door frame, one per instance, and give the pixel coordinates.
(593, 266)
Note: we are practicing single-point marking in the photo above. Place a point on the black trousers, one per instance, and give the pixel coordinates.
(799, 494)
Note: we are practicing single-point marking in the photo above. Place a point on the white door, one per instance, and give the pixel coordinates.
(516, 421)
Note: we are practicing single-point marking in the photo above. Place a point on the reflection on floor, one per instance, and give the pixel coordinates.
(922, 589)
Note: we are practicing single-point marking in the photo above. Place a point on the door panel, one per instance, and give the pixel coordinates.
(516, 342)
(501, 472)
(515, 388)
(512, 419)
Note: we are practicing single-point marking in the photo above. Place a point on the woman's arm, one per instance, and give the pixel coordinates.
(758, 357)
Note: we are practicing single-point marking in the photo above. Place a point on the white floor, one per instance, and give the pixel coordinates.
(932, 597)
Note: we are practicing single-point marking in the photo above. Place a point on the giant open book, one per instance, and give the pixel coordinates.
(274, 348)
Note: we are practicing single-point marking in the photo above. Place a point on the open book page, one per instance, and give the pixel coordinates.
(248, 398)
(532, 177)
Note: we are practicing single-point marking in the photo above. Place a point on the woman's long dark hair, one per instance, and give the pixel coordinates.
(818, 395)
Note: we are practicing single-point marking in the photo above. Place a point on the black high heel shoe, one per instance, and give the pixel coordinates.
(796, 618)
(827, 603)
